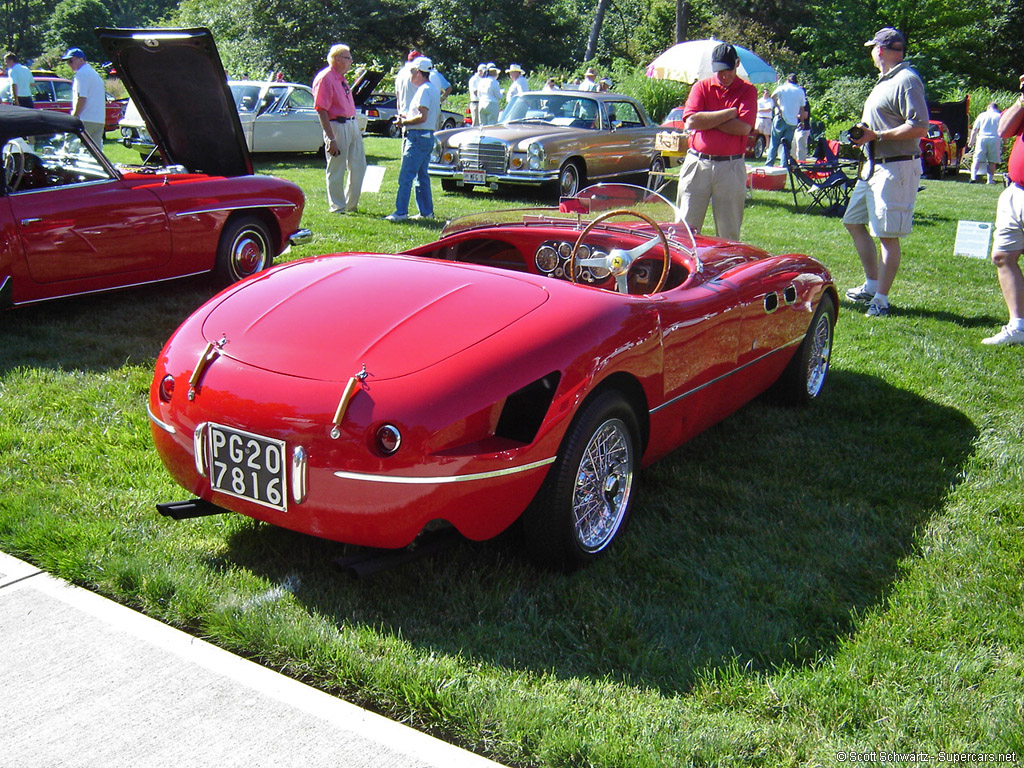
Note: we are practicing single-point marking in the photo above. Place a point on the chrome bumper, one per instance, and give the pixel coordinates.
(300, 237)
(524, 177)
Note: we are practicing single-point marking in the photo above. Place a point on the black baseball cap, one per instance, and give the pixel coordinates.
(724, 57)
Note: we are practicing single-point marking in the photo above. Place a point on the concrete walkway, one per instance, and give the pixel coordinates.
(87, 682)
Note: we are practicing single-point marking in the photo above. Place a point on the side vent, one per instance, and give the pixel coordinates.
(771, 302)
(525, 409)
(789, 295)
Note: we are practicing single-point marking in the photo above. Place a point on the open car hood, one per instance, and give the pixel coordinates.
(326, 317)
(364, 84)
(176, 79)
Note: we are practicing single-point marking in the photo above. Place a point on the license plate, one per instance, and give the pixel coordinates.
(247, 466)
(474, 177)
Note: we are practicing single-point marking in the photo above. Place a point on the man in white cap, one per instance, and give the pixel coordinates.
(895, 118)
(418, 124)
(589, 81)
(519, 85)
(88, 96)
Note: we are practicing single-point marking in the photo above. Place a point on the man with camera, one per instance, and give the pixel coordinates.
(895, 118)
(1009, 238)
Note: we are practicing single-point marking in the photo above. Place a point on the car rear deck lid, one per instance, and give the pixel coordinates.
(324, 318)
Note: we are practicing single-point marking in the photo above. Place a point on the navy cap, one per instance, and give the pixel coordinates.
(73, 53)
(887, 37)
(724, 57)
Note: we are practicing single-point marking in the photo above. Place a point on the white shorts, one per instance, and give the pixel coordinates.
(885, 202)
(1009, 236)
(989, 150)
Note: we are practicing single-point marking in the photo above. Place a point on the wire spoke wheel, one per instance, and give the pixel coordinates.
(604, 483)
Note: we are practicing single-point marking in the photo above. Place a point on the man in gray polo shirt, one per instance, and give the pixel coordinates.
(895, 118)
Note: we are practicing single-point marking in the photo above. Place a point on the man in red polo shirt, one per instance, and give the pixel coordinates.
(719, 112)
(1009, 238)
(342, 139)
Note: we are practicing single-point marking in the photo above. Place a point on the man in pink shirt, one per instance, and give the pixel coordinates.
(342, 138)
(719, 113)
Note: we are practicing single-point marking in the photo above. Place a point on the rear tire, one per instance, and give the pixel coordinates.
(244, 249)
(587, 497)
(656, 176)
(759, 148)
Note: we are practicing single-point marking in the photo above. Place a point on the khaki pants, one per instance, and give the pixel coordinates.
(722, 183)
(342, 195)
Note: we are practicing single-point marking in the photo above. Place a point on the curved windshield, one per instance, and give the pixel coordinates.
(569, 110)
(583, 208)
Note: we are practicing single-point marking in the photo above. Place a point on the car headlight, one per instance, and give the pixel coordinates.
(535, 156)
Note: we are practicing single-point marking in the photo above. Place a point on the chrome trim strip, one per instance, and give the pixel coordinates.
(162, 424)
(405, 480)
(717, 379)
(109, 290)
(220, 208)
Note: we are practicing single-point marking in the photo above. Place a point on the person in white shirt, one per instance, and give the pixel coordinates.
(988, 147)
(489, 93)
(88, 96)
(474, 98)
(418, 124)
(790, 99)
(21, 81)
(519, 84)
(765, 108)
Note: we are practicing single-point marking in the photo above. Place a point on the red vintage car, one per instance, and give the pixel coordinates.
(72, 223)
(939, 152)
(521, 368)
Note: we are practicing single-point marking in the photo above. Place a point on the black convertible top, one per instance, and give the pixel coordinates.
(20, 121)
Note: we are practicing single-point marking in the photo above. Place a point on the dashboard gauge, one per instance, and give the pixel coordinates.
(600, 273)
(565, 250)
(546, 259)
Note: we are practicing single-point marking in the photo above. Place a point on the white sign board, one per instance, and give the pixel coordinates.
(373, 178)
(972, 239)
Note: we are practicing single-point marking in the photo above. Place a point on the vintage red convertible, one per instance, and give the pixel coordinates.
(72, 223)
(523, 367)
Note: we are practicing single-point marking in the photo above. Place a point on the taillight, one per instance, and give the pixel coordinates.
(166, 390)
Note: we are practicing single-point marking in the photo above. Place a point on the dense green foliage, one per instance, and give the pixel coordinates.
(955, 46)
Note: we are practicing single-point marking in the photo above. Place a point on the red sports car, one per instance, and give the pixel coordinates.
(939, 152)
(521, 368)
(72, 223)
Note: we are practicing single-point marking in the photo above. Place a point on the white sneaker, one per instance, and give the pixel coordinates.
(393, 217)
(1006, 335)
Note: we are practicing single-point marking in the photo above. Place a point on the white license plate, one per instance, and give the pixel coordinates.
(247, 466)
(474, 177)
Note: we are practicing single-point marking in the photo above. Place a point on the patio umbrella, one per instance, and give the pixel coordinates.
(691, 61)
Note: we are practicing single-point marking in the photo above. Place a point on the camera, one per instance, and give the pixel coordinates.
(855, 132)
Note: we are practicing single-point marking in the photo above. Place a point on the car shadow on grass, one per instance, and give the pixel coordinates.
(759, 542)
(100, 332)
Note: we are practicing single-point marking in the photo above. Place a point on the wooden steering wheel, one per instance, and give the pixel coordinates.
(619, 261)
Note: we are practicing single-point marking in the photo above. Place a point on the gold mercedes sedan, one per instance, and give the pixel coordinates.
(564, 140)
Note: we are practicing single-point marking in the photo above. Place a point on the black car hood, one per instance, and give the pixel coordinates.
(177, 81)
(364, 84)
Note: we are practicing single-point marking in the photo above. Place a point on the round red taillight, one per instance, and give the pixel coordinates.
(167, 388)
(388, 439)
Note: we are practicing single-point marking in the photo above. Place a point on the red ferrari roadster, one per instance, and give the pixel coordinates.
(521, 368)
(72, 223)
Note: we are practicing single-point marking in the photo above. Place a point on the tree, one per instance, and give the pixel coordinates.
(72, 24)
(595, 29)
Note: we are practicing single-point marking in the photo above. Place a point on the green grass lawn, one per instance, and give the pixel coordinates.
(794, 583)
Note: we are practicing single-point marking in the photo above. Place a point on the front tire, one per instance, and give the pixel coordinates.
(570, 179)
(804, 377)
(587, 497)
(244, 249)
(759, 148)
